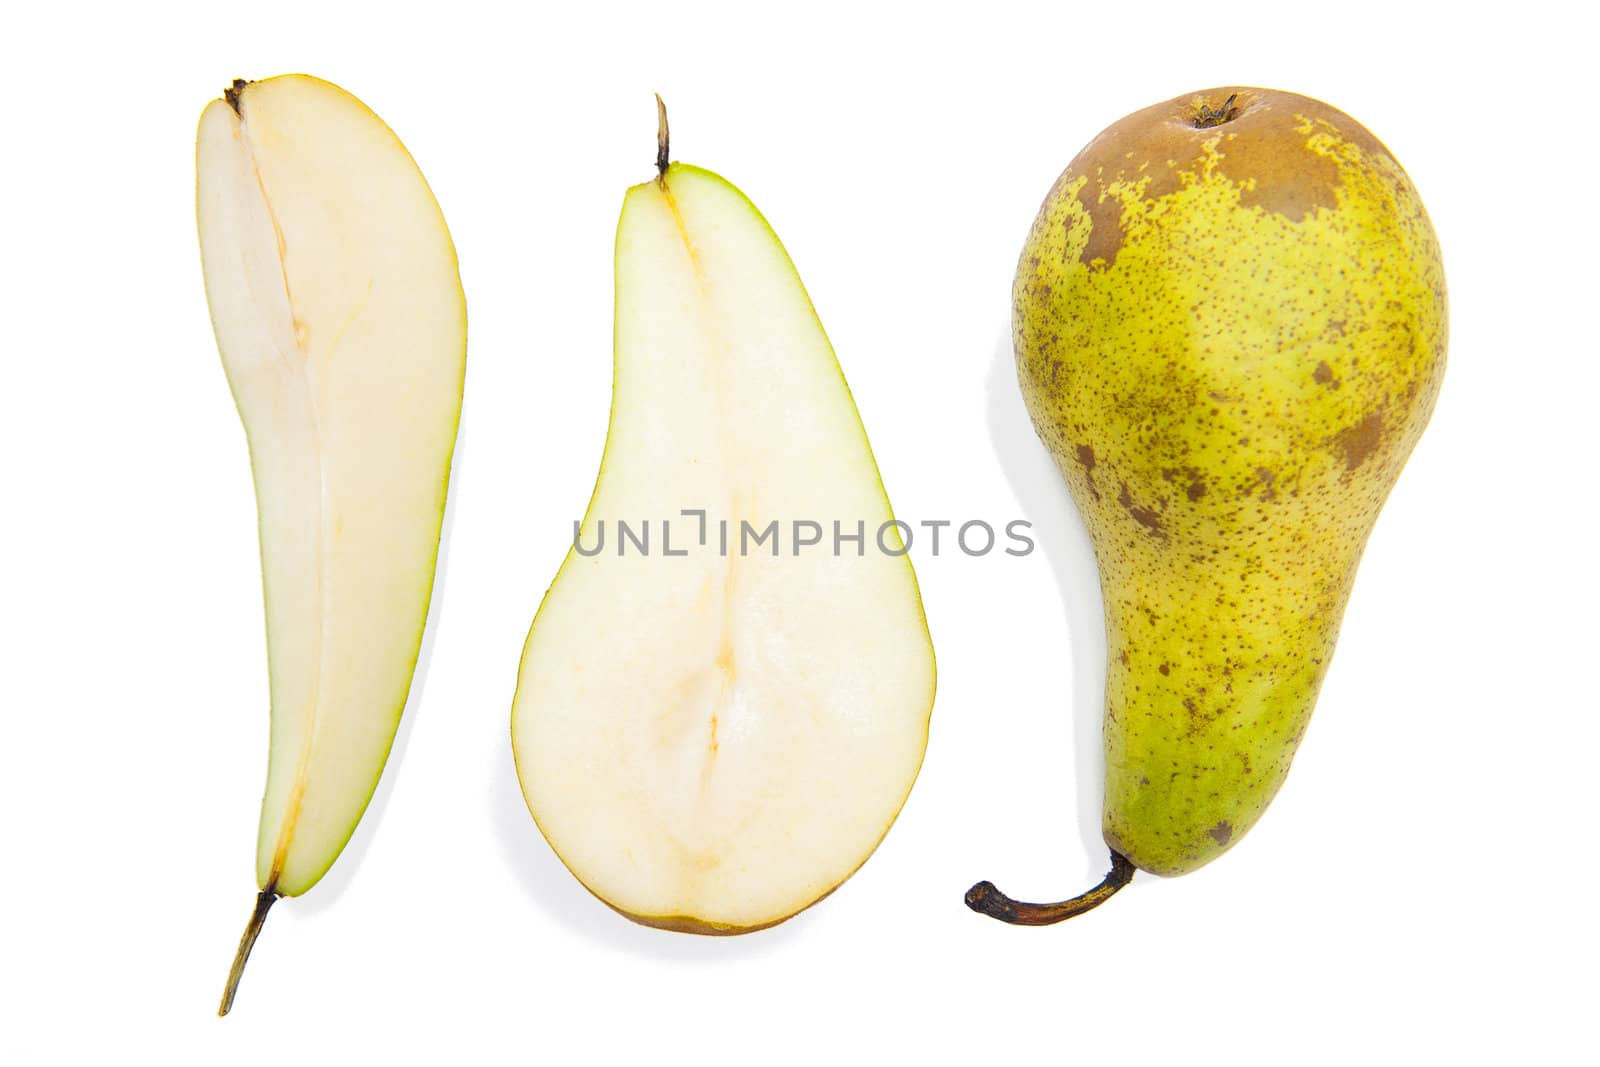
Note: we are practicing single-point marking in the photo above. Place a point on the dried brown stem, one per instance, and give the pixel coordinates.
(264, 901)
(663, 140)
(985, 899)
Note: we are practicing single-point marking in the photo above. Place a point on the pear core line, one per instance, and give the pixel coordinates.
(985, 899)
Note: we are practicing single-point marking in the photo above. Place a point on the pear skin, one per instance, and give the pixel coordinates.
(1230, 330)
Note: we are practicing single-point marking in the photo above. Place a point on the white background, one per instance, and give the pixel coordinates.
(1419, 889)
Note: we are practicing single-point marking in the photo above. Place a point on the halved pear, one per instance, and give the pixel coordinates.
(714, 741)
(338, 310)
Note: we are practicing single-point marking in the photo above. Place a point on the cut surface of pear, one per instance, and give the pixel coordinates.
(339, 314)
(714, 741)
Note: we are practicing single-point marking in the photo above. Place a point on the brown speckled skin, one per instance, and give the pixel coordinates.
(1230, 338)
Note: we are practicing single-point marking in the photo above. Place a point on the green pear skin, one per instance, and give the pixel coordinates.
(1230, 332)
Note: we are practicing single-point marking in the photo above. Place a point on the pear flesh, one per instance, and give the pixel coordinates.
(338, 311)
(1230, 327)
(713, 741)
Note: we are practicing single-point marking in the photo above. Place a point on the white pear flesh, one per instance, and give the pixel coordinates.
(713, 742)
(338, 311)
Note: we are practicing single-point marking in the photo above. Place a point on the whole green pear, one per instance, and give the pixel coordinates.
(1230, 326)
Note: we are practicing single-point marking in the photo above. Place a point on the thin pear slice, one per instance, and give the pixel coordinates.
(714, 741)
(339, 314)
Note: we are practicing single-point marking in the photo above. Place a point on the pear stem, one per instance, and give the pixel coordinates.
(663, 140)
(985, 899)
(264, 901)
